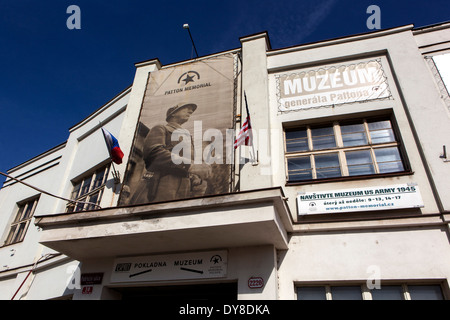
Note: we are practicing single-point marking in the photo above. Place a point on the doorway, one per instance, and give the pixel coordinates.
(195, 292)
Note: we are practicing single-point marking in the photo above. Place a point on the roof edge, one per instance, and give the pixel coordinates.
(39, 156)
(432, 27)
(343, 39)
(102, 108)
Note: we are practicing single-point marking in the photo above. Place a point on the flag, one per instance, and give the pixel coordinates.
(245, 135)
(115, 152)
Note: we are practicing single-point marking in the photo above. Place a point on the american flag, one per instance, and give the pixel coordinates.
(245, 135)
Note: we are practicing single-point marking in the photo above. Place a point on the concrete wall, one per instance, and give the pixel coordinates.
(399, 255)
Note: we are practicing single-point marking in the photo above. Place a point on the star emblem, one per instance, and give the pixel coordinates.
(216, 259)
(188, 79)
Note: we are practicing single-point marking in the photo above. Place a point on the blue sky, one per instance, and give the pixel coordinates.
(52, 78)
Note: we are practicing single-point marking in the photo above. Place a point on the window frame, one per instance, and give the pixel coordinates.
(23, 216)
(366, 293)
(342, 150)
(86, 187)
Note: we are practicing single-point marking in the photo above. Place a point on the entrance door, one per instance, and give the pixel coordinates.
(219, 291)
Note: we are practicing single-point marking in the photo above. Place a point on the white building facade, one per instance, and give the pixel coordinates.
(343, 194)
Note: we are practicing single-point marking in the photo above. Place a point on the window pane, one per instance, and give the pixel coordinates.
(296, 134)
(299, 168)
(70, 207)
(354, 139)
(19, 213)
(351, 128)
(29, 210)
(20, 233)
(346, 293)
(297, 141)
(299, 163)
(300, 175)
(323, 138)
(359, 163)
(325, 142)
(382, 136)
(76, 190)
(327, 166)
(94, 198)
(11, 234)
(325, 131)
(328, 173)
(391, 167)
(389, 160)
(79, 206)
(99, 177)
(353, 135)
(311, 293)
(361, 170)
(327, 160)
(381, 131)
(387, 154)
(358, 157)
(297, 145)
(85, 186)
(387, 293)
(425, 292)
(377, 125)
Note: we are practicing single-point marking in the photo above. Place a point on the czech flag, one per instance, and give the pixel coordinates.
(115, 152)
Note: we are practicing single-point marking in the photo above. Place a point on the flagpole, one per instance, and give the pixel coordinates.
(106, 141)
(254, 157)
(48, 193)
(115, 173)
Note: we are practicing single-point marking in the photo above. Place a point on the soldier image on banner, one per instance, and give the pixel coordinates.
(164, 163)
(167, 179)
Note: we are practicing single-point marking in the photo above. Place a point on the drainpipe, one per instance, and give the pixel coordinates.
(32, 269)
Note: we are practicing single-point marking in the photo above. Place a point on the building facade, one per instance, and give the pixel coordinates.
(343, 193)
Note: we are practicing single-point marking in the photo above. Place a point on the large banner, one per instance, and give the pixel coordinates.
(331, 86)
(181, 147)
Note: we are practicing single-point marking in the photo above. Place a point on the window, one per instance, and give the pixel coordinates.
(88, 189)
(361, 292)
(330, 293)
(342, 149)
(21, 221)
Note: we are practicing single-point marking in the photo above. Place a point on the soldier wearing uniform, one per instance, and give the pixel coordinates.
(168, 179)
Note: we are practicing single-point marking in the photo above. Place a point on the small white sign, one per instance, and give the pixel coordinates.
(360, 199)
(194, 265)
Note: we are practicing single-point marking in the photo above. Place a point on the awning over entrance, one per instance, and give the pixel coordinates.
(250, 218)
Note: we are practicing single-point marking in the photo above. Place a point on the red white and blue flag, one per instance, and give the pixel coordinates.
(245, 136)
(115, 152)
